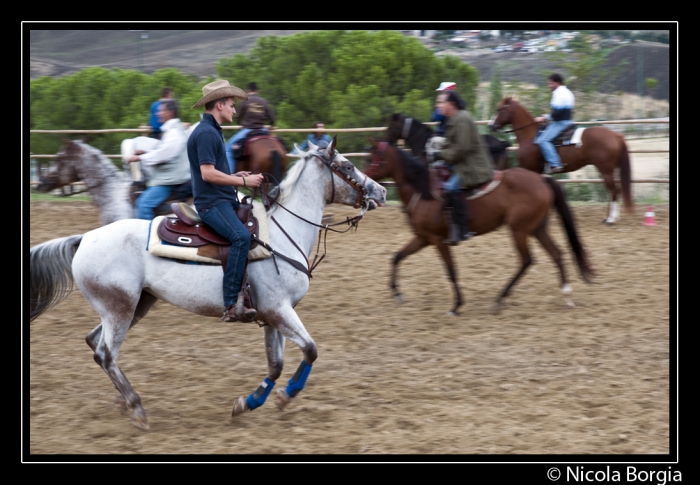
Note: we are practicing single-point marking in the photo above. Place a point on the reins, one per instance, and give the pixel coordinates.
(520, 128)
(323, 228)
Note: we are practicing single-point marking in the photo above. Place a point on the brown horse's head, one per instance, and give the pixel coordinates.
(394, 128)
(375, 165)
(504, 114)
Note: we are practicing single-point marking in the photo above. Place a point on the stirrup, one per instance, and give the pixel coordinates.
(246, 315)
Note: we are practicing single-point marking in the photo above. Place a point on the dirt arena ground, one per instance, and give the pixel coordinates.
(391, 379)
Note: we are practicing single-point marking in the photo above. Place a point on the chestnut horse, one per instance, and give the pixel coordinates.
(521, 199)
(599, 146)
(417, 134)
(264, 154)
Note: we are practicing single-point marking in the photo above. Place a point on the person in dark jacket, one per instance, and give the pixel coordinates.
(465, 152)
(252, 115)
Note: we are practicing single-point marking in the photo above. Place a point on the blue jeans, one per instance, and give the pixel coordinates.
(544, 140)
(223, 219)
(229, 144)
(453, 183)
(150, 199)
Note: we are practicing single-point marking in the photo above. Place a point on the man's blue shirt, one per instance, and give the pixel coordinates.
(206, 145)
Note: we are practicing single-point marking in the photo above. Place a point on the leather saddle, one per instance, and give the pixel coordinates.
(563, 138)
(188, 230)
(440, 173)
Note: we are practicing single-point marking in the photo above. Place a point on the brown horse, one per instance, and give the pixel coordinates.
(517, 197)
(599, 146)
(417, 134)
(264, 154)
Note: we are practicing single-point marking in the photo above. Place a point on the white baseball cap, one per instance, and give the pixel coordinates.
(446, 87)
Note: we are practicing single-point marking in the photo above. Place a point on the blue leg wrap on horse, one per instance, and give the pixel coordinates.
(258, 398)
(297, 382)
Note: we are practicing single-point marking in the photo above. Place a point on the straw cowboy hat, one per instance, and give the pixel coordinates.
(218, 90)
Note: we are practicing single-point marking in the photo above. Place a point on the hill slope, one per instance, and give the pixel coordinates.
(61, 52)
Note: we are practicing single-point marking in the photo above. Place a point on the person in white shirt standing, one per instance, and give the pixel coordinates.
(167, 165)
(562, 105)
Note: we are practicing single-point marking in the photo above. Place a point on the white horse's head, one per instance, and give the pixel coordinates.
(344, 183)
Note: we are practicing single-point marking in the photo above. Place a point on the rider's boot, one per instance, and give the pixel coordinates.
(459, 229)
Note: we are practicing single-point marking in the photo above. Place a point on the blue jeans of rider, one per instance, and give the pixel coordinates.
(151, 199)
(544, 140)
(229, 144)
(223, 219)
(453, 183)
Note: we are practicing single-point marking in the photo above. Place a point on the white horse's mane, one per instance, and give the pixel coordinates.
(290, 180)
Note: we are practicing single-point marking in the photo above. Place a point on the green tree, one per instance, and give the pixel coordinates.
(495, 90)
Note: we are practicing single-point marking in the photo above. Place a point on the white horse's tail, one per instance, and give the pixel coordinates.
(50, 273)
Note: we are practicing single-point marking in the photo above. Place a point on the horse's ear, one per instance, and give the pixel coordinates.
(331, 148)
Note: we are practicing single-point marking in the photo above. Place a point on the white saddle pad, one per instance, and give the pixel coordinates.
(157, 248)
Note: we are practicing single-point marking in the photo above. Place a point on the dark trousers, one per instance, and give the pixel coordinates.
(459, 209)
(223, 219)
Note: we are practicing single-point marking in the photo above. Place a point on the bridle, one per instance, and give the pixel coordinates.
(347, 174)
(516, 129)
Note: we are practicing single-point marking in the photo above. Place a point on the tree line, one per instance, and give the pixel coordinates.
(344, 78)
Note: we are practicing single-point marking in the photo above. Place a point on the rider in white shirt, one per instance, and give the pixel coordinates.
(167, 165)
(562, 105)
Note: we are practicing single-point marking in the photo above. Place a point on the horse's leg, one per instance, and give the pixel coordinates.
(520, 239)
(547, 243)
(143, 306)
(614, 209)
(145, 303)
(274, 349)
(117, 307)
(446, 254)
(415, 245)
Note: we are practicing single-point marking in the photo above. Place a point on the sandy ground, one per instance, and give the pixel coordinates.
(391, 379)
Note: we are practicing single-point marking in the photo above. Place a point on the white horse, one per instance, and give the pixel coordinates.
(111, 190)
(121, 280)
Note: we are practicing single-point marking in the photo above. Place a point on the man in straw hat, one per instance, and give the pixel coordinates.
(214, 187)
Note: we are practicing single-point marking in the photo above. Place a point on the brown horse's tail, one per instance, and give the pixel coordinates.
(567, 219)
(624, 165)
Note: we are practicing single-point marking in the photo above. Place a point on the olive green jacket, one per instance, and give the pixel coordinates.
(465, 151)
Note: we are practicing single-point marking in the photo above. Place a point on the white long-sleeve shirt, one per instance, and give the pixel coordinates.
(168, 163)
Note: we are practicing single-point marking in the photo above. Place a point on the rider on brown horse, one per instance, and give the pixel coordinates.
(466, 154)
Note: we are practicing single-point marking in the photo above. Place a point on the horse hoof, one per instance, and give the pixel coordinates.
(282, 399)
(452, 313)
(140, 421)
(398, 297)
(240, 406)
